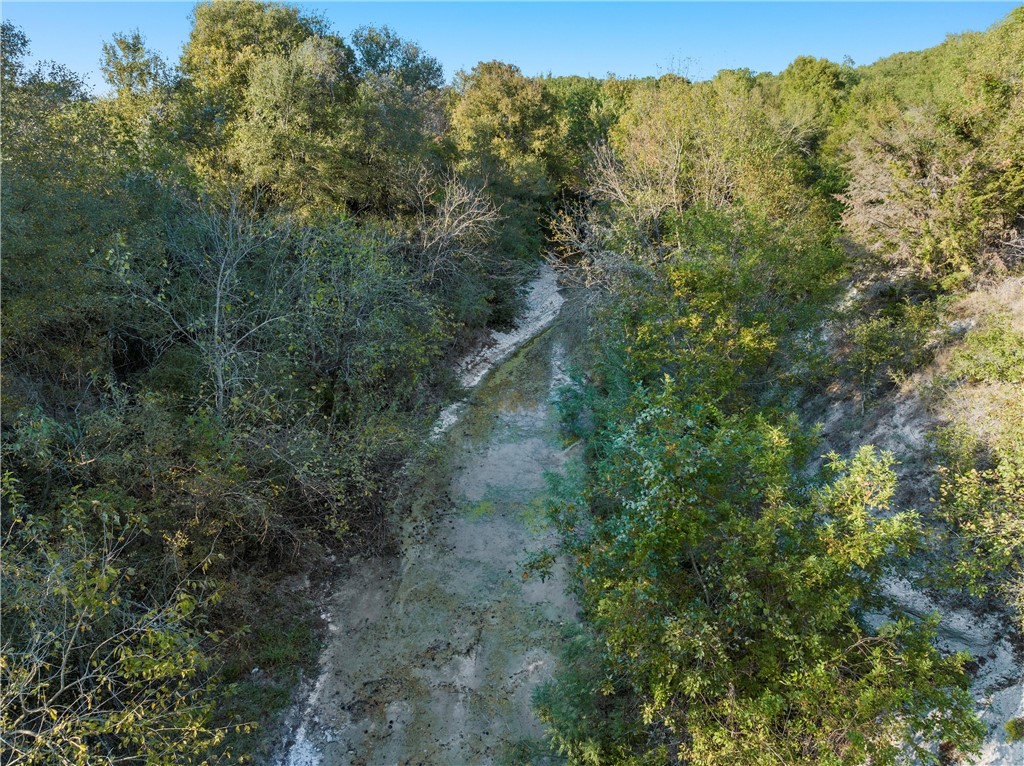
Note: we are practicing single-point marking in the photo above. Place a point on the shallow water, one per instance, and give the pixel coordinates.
(434, 653)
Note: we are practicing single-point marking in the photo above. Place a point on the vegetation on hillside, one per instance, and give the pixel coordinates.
(732, 586)
(233, 286)
(230, 290)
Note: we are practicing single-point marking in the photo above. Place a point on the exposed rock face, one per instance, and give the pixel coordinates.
(900, 423)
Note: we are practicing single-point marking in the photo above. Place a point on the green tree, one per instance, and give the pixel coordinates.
(62, 196)
(130, 68)
(380, 53)
(681, 144)
(396, 119)
(221, 288)
(811, 93)
(291, 141)
(322, 130)
(583, 116)
(227, 41)
(12, 58)
(229, 36)
(930, 142)
(502, 127)
(92, 671)
(140, 113)
(730, 604)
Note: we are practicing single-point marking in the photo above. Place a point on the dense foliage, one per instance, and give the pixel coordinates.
(733, 587)
(232, 287)
(932, 144)
(732, 595)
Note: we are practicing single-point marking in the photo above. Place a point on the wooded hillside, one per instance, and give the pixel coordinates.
(234, 287)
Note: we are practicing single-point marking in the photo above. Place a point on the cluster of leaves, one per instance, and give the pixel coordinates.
(992, 353)
(1015, 729)
(979, 502)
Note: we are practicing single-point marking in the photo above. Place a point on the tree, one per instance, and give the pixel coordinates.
(681, 144)
(380, 53)
(450, 246)
(583, 115)
(142, 109)
(729, 604)
(811, 93)
(914, 195)
(502, 123)
(503, 131)
(292, 141)
(229, 36)
(395, 120)
(220, 288)
(228, 40)
(15, 48)
(62, 195)
(130, 68)
(91, 672)
(321, 131)
(733, 600)
(930, 142)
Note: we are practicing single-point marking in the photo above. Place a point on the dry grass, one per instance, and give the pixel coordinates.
(990, 411)
(997, 296)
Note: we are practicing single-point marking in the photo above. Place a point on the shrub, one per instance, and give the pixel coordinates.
(90, 664)
(979, 501)
(891, 344)
(992, 353)
(1015, 729)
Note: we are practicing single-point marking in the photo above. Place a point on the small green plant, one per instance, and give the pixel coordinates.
(263, 665)
(481, 509)
(539, 564)
(954, 447)
(891, 344)
(1015, 729)
(992, 353)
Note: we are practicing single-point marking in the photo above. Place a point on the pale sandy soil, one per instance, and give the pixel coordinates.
(433, 654)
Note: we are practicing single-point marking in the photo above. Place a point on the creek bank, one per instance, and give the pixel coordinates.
(900, 422)
(543, 304)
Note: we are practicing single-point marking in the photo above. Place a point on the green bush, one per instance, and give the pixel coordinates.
(725, 594)
(992, 353)
(891, 344)
(979, 501)
(91, 662)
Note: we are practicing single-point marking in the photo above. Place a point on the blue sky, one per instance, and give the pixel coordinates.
(584, 38)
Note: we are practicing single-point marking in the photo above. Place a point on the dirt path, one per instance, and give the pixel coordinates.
(434, 654)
